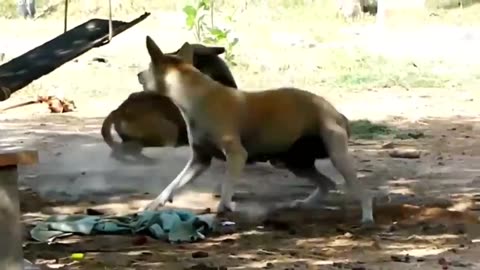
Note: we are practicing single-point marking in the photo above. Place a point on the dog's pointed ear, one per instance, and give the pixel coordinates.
(186, 52)
(207, 50)
(154, 51)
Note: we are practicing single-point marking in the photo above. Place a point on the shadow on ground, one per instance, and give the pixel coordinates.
(76, 172)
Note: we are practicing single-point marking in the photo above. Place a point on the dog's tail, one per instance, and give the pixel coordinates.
(107, 131)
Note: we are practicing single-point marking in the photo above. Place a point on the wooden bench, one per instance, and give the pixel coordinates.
(11, 252)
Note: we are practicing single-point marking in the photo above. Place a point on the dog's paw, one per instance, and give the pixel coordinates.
(159, 202)
(368, 224)
(225, 207)
(165, 197)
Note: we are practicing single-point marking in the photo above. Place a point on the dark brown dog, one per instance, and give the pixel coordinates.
(147, 119)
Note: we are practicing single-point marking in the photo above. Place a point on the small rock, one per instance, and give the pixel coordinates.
(358, 267)
(420, 259)
(404, 153)
(99, 59)
(268, 266)
(199, 254)
(293, 253)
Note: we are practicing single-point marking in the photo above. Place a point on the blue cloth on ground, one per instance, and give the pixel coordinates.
(171, 225)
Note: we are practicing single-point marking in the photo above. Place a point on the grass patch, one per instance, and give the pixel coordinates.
(366, 130)
(360, 70)
(8, 9)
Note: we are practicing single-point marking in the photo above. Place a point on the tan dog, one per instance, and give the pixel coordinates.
(234, 125)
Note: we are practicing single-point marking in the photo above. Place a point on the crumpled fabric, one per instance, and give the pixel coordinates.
(170, 225)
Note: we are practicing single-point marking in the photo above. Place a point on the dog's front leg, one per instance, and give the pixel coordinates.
(197, 164)
(236, 158)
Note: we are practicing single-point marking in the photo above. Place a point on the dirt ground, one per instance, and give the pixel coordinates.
(416, 230)
(409, 237)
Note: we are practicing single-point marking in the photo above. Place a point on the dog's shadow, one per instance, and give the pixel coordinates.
(136, 160)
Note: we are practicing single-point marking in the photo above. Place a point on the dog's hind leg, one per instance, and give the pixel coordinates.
(323, 185)
(336, 141)
(131, 148)
(197, 164)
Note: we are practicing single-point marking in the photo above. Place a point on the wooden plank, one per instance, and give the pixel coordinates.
(40, 61)
(11, 253)
(19, 157)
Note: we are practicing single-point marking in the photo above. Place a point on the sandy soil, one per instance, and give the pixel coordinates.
(76, 172)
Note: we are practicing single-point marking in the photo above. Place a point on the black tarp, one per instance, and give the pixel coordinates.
(21, 71)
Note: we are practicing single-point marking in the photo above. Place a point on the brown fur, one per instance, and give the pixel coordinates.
(239, 125)
(144, 119)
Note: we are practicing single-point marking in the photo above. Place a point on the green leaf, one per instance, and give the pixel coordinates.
(218, 33)
(204, 4)
(190, 22)
(190, 11)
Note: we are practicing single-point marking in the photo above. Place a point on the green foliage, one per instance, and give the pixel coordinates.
(8, 9)
(366, 130)
(449, 4)
(196, 20)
